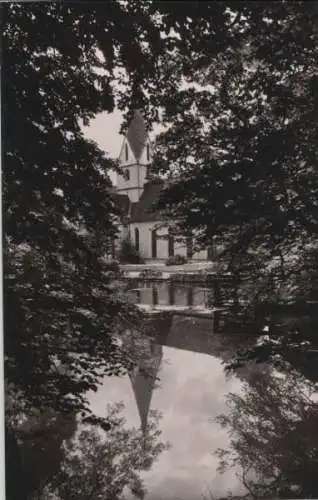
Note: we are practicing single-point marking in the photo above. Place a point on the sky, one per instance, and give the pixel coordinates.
(104, 129)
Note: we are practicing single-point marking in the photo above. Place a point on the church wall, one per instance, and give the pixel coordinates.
(162, 244)
(145, 246)
(202, 255)
(180, 248)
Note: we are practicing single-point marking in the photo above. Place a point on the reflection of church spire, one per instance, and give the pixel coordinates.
(143, 380)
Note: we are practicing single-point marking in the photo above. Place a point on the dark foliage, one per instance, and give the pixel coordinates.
(273, 439)
(240, 145)
(128, 253)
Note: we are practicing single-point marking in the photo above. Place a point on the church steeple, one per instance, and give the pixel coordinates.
(134, 158)
(137, 134)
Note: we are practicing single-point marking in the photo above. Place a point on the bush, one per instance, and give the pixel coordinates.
(128, 253)
(112, 264)
(176, 260)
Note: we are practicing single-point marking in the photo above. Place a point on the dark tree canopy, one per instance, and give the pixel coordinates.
(240, 148)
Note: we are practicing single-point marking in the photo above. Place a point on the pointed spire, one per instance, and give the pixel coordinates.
(137, 134)
(143, 384)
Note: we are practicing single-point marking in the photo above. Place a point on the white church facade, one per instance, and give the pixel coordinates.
(136, 193)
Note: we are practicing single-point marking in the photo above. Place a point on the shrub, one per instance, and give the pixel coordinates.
(176, 260)
(128, 253)
(112, 264)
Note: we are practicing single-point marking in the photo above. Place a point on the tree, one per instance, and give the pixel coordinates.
(239, 151)
(40, 440)
(240, 158)
(102, 465)
(273, 437)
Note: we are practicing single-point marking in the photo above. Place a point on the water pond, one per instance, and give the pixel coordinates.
(187, 356)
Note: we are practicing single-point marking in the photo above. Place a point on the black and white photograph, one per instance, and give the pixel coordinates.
(159, 175)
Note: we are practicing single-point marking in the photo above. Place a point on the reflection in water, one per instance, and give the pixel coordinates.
(274, 438)
(190, 296)
(143, 380)
(171, 294)
(184, 354)
(155, 296)
(110, 462)
(195, 335)
(187, 354)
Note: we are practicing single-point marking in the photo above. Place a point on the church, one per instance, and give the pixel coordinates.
(136, 191)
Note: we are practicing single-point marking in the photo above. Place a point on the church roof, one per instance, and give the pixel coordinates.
(142, 211)
(137, 134)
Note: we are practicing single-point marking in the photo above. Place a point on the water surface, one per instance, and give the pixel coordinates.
(187, 356)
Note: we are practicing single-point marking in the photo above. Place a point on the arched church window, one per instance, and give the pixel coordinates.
(137, 239)
(189, 247)
(148, 152)
(154, 244)
(127, 175)
(126, 152)
(170, 244)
